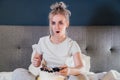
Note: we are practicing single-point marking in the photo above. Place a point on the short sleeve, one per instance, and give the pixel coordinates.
(75, 48)
(36, 48)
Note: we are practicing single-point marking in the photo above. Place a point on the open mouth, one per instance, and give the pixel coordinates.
(57, 31)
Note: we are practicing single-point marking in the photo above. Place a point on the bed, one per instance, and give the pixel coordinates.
(101, 43)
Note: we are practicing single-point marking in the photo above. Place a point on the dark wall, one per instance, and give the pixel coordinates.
(84, 12)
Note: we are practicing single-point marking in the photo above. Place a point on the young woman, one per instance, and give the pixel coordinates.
(57, 47)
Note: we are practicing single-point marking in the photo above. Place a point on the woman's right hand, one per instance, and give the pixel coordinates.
(37, 60)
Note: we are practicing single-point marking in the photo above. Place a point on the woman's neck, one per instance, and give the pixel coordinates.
(57, 39)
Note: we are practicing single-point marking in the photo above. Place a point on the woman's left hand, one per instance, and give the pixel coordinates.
(64, 70)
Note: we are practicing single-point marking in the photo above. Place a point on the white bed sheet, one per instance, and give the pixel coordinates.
(111, 75)
(5, 75)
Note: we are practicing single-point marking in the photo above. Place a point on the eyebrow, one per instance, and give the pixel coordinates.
(58, 21)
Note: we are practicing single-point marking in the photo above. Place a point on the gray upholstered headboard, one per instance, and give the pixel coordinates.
(102, 44)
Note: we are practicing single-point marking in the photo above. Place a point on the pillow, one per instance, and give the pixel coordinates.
(112, 75)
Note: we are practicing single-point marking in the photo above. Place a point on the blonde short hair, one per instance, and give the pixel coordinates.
(59, 8)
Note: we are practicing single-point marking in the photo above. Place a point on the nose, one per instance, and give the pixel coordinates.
(57, 26)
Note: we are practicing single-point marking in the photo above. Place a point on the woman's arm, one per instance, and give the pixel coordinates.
(78, 64)
(77, 60)
(37, 58)
(73, 70)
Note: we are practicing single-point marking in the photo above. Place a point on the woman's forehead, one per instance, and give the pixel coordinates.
(58, 17)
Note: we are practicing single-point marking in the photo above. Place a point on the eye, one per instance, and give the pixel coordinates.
(53, 23)
(60, 22)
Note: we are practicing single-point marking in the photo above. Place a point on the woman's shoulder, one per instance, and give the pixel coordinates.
(44, 38)
(70, 40)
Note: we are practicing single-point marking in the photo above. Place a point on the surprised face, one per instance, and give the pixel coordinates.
(58, 25)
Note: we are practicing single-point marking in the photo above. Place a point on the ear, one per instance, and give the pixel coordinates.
(67, 24)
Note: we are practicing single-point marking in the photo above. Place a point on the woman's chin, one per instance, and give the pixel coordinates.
(57, 34)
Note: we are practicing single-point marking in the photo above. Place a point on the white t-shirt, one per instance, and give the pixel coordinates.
(56, 54)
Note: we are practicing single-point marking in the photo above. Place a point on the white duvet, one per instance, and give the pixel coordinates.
(5, 75)
(111, 75)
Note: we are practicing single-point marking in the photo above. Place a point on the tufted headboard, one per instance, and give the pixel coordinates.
(101, 43)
